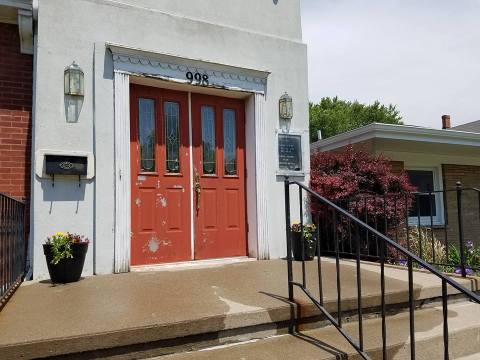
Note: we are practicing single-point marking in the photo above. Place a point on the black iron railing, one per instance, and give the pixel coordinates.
(441, 227)
(12, 246)
(339, 224)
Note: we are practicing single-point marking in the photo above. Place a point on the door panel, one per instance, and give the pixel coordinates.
(159, 148)
(218, 126)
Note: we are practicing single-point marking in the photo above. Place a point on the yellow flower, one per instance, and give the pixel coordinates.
(60, 234)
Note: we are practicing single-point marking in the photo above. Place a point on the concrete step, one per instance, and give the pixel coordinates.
(138, 315)
(326, 343)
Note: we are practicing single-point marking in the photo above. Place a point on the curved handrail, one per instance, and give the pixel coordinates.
(390, 242)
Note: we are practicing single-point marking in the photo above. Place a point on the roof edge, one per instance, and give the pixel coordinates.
(398, 132)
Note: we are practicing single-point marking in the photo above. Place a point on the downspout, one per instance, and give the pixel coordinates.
(29, 260)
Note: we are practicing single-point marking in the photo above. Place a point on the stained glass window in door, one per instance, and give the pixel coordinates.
(172, 136)
(146, 134)
(229, 142)
(208, 140)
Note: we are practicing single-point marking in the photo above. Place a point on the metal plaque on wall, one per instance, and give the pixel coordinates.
(290, 153)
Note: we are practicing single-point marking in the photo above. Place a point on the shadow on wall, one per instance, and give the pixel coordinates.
(63, 190)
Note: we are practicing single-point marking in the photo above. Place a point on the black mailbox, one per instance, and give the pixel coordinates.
(65, 165)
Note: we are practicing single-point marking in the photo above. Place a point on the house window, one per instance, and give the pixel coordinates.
(426, 207)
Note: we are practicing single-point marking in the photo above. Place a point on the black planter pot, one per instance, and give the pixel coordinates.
(310, 248)
(67, 270)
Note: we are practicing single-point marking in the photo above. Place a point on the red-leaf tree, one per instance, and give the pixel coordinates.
(363, 184)
(352, 172)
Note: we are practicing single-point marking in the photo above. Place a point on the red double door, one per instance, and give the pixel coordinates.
(186, 179)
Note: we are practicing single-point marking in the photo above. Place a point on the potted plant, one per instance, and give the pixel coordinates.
(309, 240)
(65, 254)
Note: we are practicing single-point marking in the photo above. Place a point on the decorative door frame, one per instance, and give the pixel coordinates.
(132, 62)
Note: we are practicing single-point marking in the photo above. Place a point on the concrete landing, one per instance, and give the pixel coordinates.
(177, 310)
(326, 343)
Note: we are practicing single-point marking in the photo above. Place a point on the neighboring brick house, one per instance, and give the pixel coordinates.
(432, 158)
(16, 84)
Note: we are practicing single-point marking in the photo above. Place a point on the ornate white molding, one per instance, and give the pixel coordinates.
(25, 30)
(122, 172)
(172, 68)
(262, 183)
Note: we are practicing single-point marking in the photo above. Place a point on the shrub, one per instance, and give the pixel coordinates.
(358, 175)
(421, 244)
(472, 258)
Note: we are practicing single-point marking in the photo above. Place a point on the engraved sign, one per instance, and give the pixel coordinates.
(290, 152)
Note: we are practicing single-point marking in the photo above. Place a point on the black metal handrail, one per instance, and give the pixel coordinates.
(12, 246)
(434, 241)
(338, 217)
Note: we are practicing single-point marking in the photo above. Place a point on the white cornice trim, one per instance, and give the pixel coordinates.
(398, 132)
(17, 4)
(173, 68)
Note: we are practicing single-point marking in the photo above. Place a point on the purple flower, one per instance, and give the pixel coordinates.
(468, 271)
(403, 262)
(470, 246)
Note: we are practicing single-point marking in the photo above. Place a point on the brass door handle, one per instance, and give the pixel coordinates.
(198, 189)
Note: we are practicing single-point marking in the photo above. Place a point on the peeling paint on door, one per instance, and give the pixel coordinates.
(153, 245)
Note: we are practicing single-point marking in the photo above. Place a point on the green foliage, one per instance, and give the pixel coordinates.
(333, 116)
(62, 245)
(472, 258)
(308, 231)
(422, 245)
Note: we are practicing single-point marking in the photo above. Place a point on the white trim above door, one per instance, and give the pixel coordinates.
(249, 81)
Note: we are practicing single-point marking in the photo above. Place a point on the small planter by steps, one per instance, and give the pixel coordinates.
(65, 254)
(309, 241)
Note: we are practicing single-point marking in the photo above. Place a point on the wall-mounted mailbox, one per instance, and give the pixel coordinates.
(66, 165)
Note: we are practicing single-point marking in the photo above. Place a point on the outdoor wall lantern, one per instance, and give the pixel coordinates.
(74, 91)
(285, 105)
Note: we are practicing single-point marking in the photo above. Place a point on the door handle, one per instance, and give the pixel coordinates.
(198, 189)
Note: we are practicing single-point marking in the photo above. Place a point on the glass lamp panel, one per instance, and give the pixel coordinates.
(75, 82)
(208, 140)
(146, 134)
(229, 142)
(66, 82)
(81, 87)
(172, 136)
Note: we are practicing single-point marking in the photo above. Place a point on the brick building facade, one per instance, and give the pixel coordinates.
(469, 176)
(16, 77)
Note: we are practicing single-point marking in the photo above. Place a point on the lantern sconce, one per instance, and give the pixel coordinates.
(74, 91)
(285, 105)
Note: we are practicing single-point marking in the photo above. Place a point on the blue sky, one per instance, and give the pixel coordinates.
(421, 55)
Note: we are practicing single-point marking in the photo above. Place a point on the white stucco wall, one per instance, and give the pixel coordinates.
(258, 35)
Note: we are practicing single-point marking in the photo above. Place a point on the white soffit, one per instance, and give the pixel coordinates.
(174, 68)
(398, 132)
(19, 12)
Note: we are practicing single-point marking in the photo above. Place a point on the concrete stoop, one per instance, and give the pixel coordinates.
(327, 343)
(146, 315)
